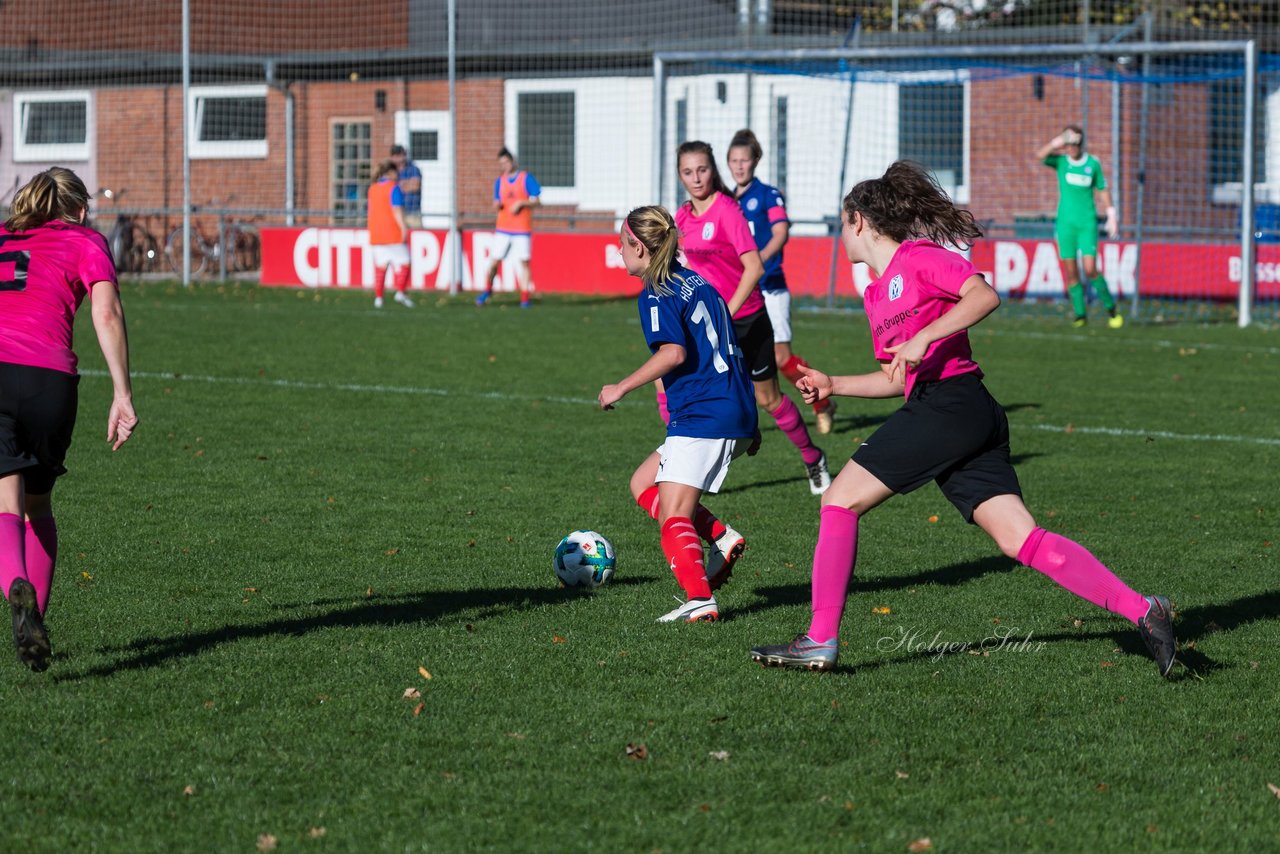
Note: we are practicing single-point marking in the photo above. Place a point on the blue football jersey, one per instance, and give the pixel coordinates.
(710, 395)
(763, 206)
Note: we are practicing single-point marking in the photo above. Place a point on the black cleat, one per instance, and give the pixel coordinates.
(29, 634)
(1156, 629)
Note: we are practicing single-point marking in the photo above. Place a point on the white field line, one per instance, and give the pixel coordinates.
(424, 391)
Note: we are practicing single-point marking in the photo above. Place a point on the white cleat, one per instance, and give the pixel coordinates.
(693, 611)
(377, 302)
(724, 553)
(819, 476)
(404, 300)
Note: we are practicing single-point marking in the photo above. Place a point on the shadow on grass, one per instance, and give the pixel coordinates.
(405, 609)
(798, 594)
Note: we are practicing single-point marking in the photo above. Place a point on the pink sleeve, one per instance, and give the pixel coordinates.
(95, 264)
(777, 214)
(736, 230)
(944, 270)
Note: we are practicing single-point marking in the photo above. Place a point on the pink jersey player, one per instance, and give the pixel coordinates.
(717, 245)
(49, 262)
(714, 241)
(950, 429)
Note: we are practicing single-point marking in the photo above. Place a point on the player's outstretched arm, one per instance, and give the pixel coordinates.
(667, 357)
(108, 323)
(816, 386)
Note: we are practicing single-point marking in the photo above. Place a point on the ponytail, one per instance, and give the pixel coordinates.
(653, 227)
(907, 202)
(54, 194)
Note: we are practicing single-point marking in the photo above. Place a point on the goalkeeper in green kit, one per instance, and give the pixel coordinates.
(1076, 227)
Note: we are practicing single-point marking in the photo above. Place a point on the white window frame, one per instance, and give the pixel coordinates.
(516, 88)
(245, 149)
(24, 152)
(1264, 192)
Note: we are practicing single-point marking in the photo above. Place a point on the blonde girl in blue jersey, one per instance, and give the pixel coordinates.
(710, 398)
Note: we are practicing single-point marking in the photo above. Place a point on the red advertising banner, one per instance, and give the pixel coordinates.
(591, 263)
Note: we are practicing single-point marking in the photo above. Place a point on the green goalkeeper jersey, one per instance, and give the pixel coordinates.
(1077, 179)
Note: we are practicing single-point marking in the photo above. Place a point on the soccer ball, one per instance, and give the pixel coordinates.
(584, 559)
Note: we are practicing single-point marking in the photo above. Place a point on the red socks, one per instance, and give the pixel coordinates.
(704, 521)
(400, 278)
(379, 281)
(683, 548)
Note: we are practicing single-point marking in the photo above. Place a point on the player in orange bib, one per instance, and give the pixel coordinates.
(388, 235)
(515, 195)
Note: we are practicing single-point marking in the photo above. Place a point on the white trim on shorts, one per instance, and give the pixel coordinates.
(778, 304)
(519, 245)
(390, 255)
(700, 463)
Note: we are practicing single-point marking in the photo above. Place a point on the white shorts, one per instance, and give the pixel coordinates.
(390, 255)
(700, 463)
(517, 245)
(778, 304)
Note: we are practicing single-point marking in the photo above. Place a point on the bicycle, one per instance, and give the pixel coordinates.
(132, 247)
(235, 249)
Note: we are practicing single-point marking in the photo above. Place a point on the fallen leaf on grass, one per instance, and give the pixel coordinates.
(882, 610)
(518, 736)
(1106, 664)
(557, 639)
(719, 755)
(267, 842)
(637, 752)
(417, 710)
(1100, 788)
(424, 672)
(705, 807)
(86, 576)
(316, 832)
(412, 693)
(901, 775)
(251, 590)
(1274, 789)
(392, 552)
(933, 520)
(189, 790)
(924, 843)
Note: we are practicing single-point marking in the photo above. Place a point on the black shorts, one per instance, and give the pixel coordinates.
(952, 432)
(37, 416)
(755, 340)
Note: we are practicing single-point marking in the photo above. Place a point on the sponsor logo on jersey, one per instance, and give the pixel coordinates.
(653, 318)
(752, 204)
(895, 287)
(708, 230)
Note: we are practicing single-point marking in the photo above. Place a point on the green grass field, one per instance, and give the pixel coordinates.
(322, 499)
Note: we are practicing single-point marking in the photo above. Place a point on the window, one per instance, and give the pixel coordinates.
(545, 143)
(226, 122)
(931, 132)
(1226, 133)
(51, 126)
(351, 159)
(424, 146)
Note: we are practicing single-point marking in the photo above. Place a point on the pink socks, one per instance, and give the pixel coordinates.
(12, 560)
(833, 561)
(787, 415)
(42, 554)
(1072, 566)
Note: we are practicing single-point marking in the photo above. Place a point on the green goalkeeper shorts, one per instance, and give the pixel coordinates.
(1076, 239)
